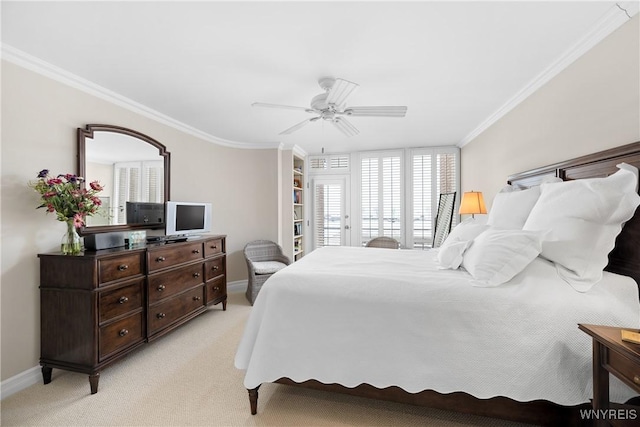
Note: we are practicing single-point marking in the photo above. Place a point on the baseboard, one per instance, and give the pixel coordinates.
(237, 286)
(34, 376)
(20, 382)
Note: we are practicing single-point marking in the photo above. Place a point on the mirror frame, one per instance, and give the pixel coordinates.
(88, 132)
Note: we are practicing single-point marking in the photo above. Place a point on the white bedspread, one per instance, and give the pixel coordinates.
(386, 317)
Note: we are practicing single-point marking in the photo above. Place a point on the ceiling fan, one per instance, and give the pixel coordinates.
(331, 106)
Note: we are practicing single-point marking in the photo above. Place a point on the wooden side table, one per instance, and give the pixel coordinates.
(621, 359)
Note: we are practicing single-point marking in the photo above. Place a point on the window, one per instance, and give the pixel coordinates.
(329, 164)
(433, 172)
(381, 200)
(390, 208)
(328, 214)
(136, 182)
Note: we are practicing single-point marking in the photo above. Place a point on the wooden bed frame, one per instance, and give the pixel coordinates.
(624, 259)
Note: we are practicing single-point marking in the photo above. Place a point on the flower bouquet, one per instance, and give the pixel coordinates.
(71, 203)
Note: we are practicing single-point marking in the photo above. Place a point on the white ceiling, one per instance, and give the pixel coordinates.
(455, 65)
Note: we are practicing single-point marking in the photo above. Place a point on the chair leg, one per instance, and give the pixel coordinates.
(249, 293)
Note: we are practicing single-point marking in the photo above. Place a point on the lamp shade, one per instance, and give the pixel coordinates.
(472, 203)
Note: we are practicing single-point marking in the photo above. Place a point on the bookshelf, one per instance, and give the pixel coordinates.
(298, 207)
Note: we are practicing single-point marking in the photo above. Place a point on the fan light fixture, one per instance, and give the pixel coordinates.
(330, 106)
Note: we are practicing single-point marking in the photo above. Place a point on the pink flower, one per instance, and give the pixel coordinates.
(95, 185)
(78, 221)
(49, 194)
(50, 208)
(54, 181)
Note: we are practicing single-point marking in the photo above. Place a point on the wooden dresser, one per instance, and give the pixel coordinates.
(97, 307)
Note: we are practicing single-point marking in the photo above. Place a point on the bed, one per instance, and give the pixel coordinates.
(395, 325)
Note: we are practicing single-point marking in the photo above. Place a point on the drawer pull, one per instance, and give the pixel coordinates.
(196, 298)
(123, 267)
(215, 267)
(122, 300)
(215, 288)
(160, 259)
(196, 274)
(196, 251)
(161, 288)
(123, 332)
(160, 315)
(636, 379)
(214, 247)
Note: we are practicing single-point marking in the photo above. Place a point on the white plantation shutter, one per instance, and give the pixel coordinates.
(329, 164)
(434, 171)
(381, 198)
(391, 197)
(121, 176)
(328, 214)
(369, 198)
(339, 163)
(137, 182)
(152, 182)
(134, 184)
(318, 164)
(422, 200)
(447, 174)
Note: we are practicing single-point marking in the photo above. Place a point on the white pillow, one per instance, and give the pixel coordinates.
(496, 255)
(458, 240)
(585, 217)
(511, 208)
(450, 253)
(468, 229)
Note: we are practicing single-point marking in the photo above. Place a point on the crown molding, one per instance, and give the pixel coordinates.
(610, 22)
(53, 72)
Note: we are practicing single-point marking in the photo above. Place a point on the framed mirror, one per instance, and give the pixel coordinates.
(133, 169)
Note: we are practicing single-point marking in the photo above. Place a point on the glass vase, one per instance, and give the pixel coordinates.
(71, 244)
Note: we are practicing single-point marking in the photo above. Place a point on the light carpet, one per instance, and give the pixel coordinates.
(187, 378)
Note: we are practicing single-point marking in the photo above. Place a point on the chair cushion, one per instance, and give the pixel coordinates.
(268, 267)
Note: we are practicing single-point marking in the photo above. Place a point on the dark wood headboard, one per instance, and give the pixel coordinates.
(625, 257)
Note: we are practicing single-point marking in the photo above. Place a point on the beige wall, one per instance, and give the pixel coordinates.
(592, 105)
(39, 121)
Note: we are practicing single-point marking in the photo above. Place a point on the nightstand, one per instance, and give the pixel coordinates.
(621, 359)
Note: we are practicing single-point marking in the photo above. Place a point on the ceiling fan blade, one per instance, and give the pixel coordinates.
(382, 111)
(298, 126)
(340, 91)
(288, 107)
(345, 126)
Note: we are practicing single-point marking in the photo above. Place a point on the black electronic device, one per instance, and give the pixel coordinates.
(145, 213)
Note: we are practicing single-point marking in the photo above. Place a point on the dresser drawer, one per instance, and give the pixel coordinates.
(628, 370)
(215, 267)
(120, 301)
(121, 334)
(216, 289)
(164, 314)
(119, 267)
(173, 255)
(213, 247)
(166, 284)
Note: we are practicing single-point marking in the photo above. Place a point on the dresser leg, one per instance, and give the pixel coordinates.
(253, 400)
(46, 374)
(93, 382)
(224, 304)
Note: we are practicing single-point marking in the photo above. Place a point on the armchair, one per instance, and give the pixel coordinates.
(264, 258)
(383, 242)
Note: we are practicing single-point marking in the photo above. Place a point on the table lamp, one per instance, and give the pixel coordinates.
(472, 203)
